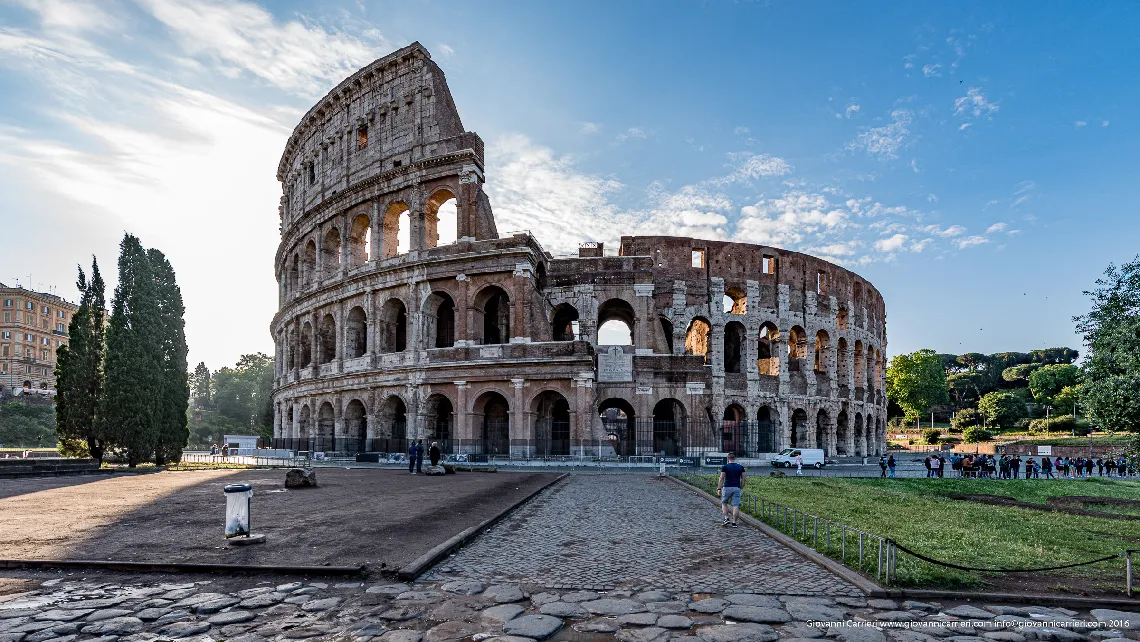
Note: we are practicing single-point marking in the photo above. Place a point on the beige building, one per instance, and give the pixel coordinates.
(32, 327)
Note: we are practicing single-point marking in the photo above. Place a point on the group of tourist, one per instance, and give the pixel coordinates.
(1011, 467)
(416, 456)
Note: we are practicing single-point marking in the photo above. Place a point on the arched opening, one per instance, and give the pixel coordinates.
(355, 428)
(360, 241)
(393, 326)
(330, 254)
(733, 346)
(878, 367)
(766, 430)
(551, 424)
(442, 222)
(873, 441)
(564, 327)
(392, 426)
(326, 428)
(288, 429)
(841, 319)
(305, 425)
(397, 230)
(326, 340)
(842, 363)
(735, 301)
(822, 341)
(306, 347)
(860, 437)
(294, 274)
(697, 338)
(734, 430)
(797, 348)
(822, 432)
(860, 370)
(493, 315)
(440, 320)
(667, 331)
(309, 264)
(668, 425)
(620, 426)
(440, 419)
(799, 432)
(492, 414)
(616, 321)
(767, 350)
(356, 343)
(841, 434)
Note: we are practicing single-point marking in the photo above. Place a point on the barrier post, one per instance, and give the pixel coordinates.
(860, 568)
(879, 572)
(1128, 570)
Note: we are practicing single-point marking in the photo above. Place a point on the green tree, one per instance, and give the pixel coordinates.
(134, 363)
(1047, 381)
(1066, 399)
(966, 386)
(976, 434)
(916, 381)
(200, 384)
(79, 373)
(1001, 408)
(931, 435)
(244, 393)
(1111, 333)
(1019, 374)
(965, 418)
(27, 425)
(174, 393)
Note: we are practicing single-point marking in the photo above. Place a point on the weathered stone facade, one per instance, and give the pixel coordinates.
(494, 335)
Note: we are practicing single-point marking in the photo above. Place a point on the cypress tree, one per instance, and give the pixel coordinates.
(174, 393)
(79, 372)
(134, 361)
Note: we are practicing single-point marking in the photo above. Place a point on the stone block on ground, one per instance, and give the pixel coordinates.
(538, 627)
(504, 593)
(434, 470)
(300, 478)
(1111, 615)
(759, 614)
(738, 633)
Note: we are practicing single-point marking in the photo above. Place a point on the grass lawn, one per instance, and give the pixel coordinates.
(917, 514)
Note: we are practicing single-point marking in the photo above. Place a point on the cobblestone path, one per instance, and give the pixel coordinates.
(634, 531)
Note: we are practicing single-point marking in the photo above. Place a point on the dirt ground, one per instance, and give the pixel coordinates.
(382, 518)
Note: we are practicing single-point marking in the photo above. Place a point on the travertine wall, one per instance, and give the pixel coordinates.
(371, 342)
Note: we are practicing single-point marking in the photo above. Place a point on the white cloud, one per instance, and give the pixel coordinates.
(919, 246)
(1104, 123)
(590, 128)
(633, 132)
(788, 220)
(931, 71)
(996, 227)
(950, 232)
(1079, 124)
(747, 166)
(850, 110)
(446, 50)
(964, 126)
(741, 130)
(971, 241)
(974, 104)
(68, 15)
(885, 142)
(891, 244)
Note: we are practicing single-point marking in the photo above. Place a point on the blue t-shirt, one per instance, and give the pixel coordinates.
(732, 474)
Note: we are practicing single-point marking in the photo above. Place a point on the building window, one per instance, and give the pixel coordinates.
(46, 341)
(7, 335)
(7, 317)
(361, 138)
(27, 370)
(43, 355)
(59, 326)
(43, 324)
(29, 338)
(312, 169)
(62, 314)
(821, 283)
(7, 303)
(18, 317)
(698, 258)
(768, 265)
(31, 306)
(47, 310)
(4, 350)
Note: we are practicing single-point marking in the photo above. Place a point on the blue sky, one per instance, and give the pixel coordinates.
(976, 161)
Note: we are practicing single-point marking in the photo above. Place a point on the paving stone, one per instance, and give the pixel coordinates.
(562, 609)
(612, 606)
(638, 619)
(504, 593)
(652, 596)
(306, 632)
(760, 614)
(319, 585)
(1058, 635)
(1004, 636)
(883, 605)
(62, 615)
(298, 599)
(667, 608)
(798, 630)
(913, 605)
(182, 629)
(450, 632)
(896, 616)
(749, 599)
(179, 594)
(856, 634)
(854, 602)
(114, 626)
(67, 630)
(263, 600)
(102, 603)
(509, 638)
(599, 625)
(401, 613)
(464, 587)
(969, 612)
(904, 635)
(648, 634)
(173, 616)
(580, 596)
(809, 611)
(538, 627)
(419, 596)
(708, 605)
(501, 614)
(106, 614)
(6, 614)
(59, 638)
(737, 633)
(1106, 634)
(231, 617)
(248, 637)
(250, 592)
(103, 638)
(402, 635)
(309, 590)
(388, 589)
(156, 603)
(538, 599)
(12, 637)
(151, 614)
(288, 587)
(214, 605)
(324, 604)
(344, 586)
(674, 622)
(1109, 615)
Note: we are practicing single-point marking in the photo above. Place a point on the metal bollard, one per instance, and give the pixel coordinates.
(879, 572)
(860, 551)
(1128, 570)
(843, 544)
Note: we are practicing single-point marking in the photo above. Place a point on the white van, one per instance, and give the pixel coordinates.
(787, 457)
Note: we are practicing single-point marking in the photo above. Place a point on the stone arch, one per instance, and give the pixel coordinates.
(294, 279)
(396, 230)
(667, 331)
(306, 348)
(859, 362)
(733, 346)
(823, 430)
(326, 428)
(439, 320)
(309, 264)
(734, 301)
(392, 424)
(551, 413)
(697, 337)
(734, 430)
(330, 254)
(355, 428)
(767, 429)
(289, 429)
(305, 423)
(491, 415)
(356, 336)
(798, 437)
(797, 344)
(841, 319)
(842, 362)
(393, 326)
(841, 434)
(564, 326)
(619, 423)
(768, 349)
(668, 426)
(493, 315)
(441, 221)
(612, 315)
(360, 241)
(439, 418)
(326, 340)
(860, 436)
(822, 342)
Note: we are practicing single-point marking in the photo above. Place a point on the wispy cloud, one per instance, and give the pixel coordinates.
(932, 71)
(1079, 124)
(892, 243)
(996, 227)
(446, 50)
(971, 241)
(590, 128)
(747, 166)
(887, 141)
(974, 104)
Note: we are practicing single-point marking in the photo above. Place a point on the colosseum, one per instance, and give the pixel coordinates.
(404, 314)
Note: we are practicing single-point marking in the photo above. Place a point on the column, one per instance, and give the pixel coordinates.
(463, 434)
(518, 425)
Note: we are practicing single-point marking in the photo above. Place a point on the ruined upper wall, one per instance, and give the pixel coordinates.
(387, 117)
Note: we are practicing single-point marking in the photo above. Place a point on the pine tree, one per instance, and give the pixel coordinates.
(200, 386)
(174, 394)
(79, 373)
(129, 414)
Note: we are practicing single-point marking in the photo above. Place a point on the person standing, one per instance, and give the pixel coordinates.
(1088, 467)
(891, 465)
(419, 455)
(1111, 466)
(1015, 466)
(929, 468)
(1099, 467)
(799, 464)
(883, 466)
(941, 464)
(1047, 467)
(729, 485)
(412, 457)
(433, 453)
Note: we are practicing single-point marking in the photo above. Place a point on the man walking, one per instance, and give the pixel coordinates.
(883, 466)
(729, 483)
(419, 456)
(799, 464)
(434, 453)
(412, 457)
